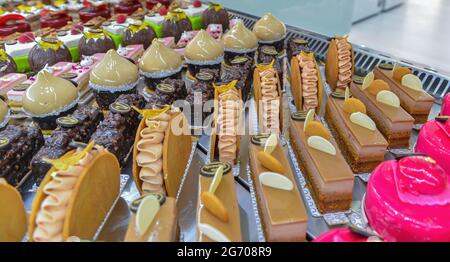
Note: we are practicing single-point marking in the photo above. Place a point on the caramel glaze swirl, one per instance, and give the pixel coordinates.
(345, 63)
(228, 121)
(150, 153)
(309, 82)
(51, 215)
(270, 101)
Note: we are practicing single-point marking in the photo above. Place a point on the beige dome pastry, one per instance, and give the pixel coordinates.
(159, 57)
(49, 94)
(203, 48)
(240, 37)
(114, 71)
(269, 28)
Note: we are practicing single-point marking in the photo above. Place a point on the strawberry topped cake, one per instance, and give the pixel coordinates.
(408, 200)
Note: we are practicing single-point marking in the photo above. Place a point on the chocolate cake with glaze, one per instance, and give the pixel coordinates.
(18, 144)
(391, 119)
(239, 68)
(77, 127)
(166, 93)
(95, 41)
(416, 101)
(117, 131)
(331, 185)
(296, 45)
(48, 52)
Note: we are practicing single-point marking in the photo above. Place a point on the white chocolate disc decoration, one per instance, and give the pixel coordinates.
(412, 82)
(347, 94)
(212, 233)
(271, 144)
(277, 181)
(368, 80)
(146, 212)
(321, 144)
(363, 120)
(309, 118)
(216, 180)
(388, 98)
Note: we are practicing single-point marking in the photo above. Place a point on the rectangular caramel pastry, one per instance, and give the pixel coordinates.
(393, 122)
(417, 103)
(223, 231)
(328, 176)
(282, 211)
(363, 149)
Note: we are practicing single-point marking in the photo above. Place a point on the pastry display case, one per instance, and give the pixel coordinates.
(322, 135)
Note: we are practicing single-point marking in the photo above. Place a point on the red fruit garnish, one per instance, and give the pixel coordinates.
(120, 19)
(163, 11)
(197, 3)
(76, 29)
(26, 37)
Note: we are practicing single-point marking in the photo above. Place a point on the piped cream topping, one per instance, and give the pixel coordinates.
(240, 37)
(48, 94)
(270, 101)
(114, 70)
(159, 57)
(51, 215)
(309, 82)
(345, 63)
(269, 28)
(228, 118)
(203, 48)
(150, 153)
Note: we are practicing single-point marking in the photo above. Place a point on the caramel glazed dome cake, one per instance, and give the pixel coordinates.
(112, 76)
(239, 40)
(160, 62)
(270, 31)
(203, 52)
(48, 98)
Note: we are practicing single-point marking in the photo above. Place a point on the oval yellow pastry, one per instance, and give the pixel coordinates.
(270, 162)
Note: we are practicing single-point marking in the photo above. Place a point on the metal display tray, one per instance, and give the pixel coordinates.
(115, 226)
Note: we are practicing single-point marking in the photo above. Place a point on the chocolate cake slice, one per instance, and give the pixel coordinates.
(18, 144)
(239, 69)
(117, 131)
(77, 127)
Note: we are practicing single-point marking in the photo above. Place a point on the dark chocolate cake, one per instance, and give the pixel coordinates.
(239, 69)
(117, 131)
(77, 127)
(18, 144)
(296, 46)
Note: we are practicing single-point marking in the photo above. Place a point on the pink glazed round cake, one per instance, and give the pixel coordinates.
(446, 106)
(340, 235)
(434, 141)
(409, 201)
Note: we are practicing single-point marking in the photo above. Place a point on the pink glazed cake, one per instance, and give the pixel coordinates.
(446, 106)
(340, 235)
(434, 141)
(408, 200)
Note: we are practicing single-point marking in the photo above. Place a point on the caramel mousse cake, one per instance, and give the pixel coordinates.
(225, 139)
(158, 63)
(362, 145)
(48, 98)
(409, 89)
(267, 93)
(270, 31)
(340, 64)
(161, 150)
(75, 195)
(306, 82)
(280, 204)
(154, 219)
(331, 184)
(203, 52)
(238, 41)
(112, 76)
(383, 106)
(13, 218)
(218, 215)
